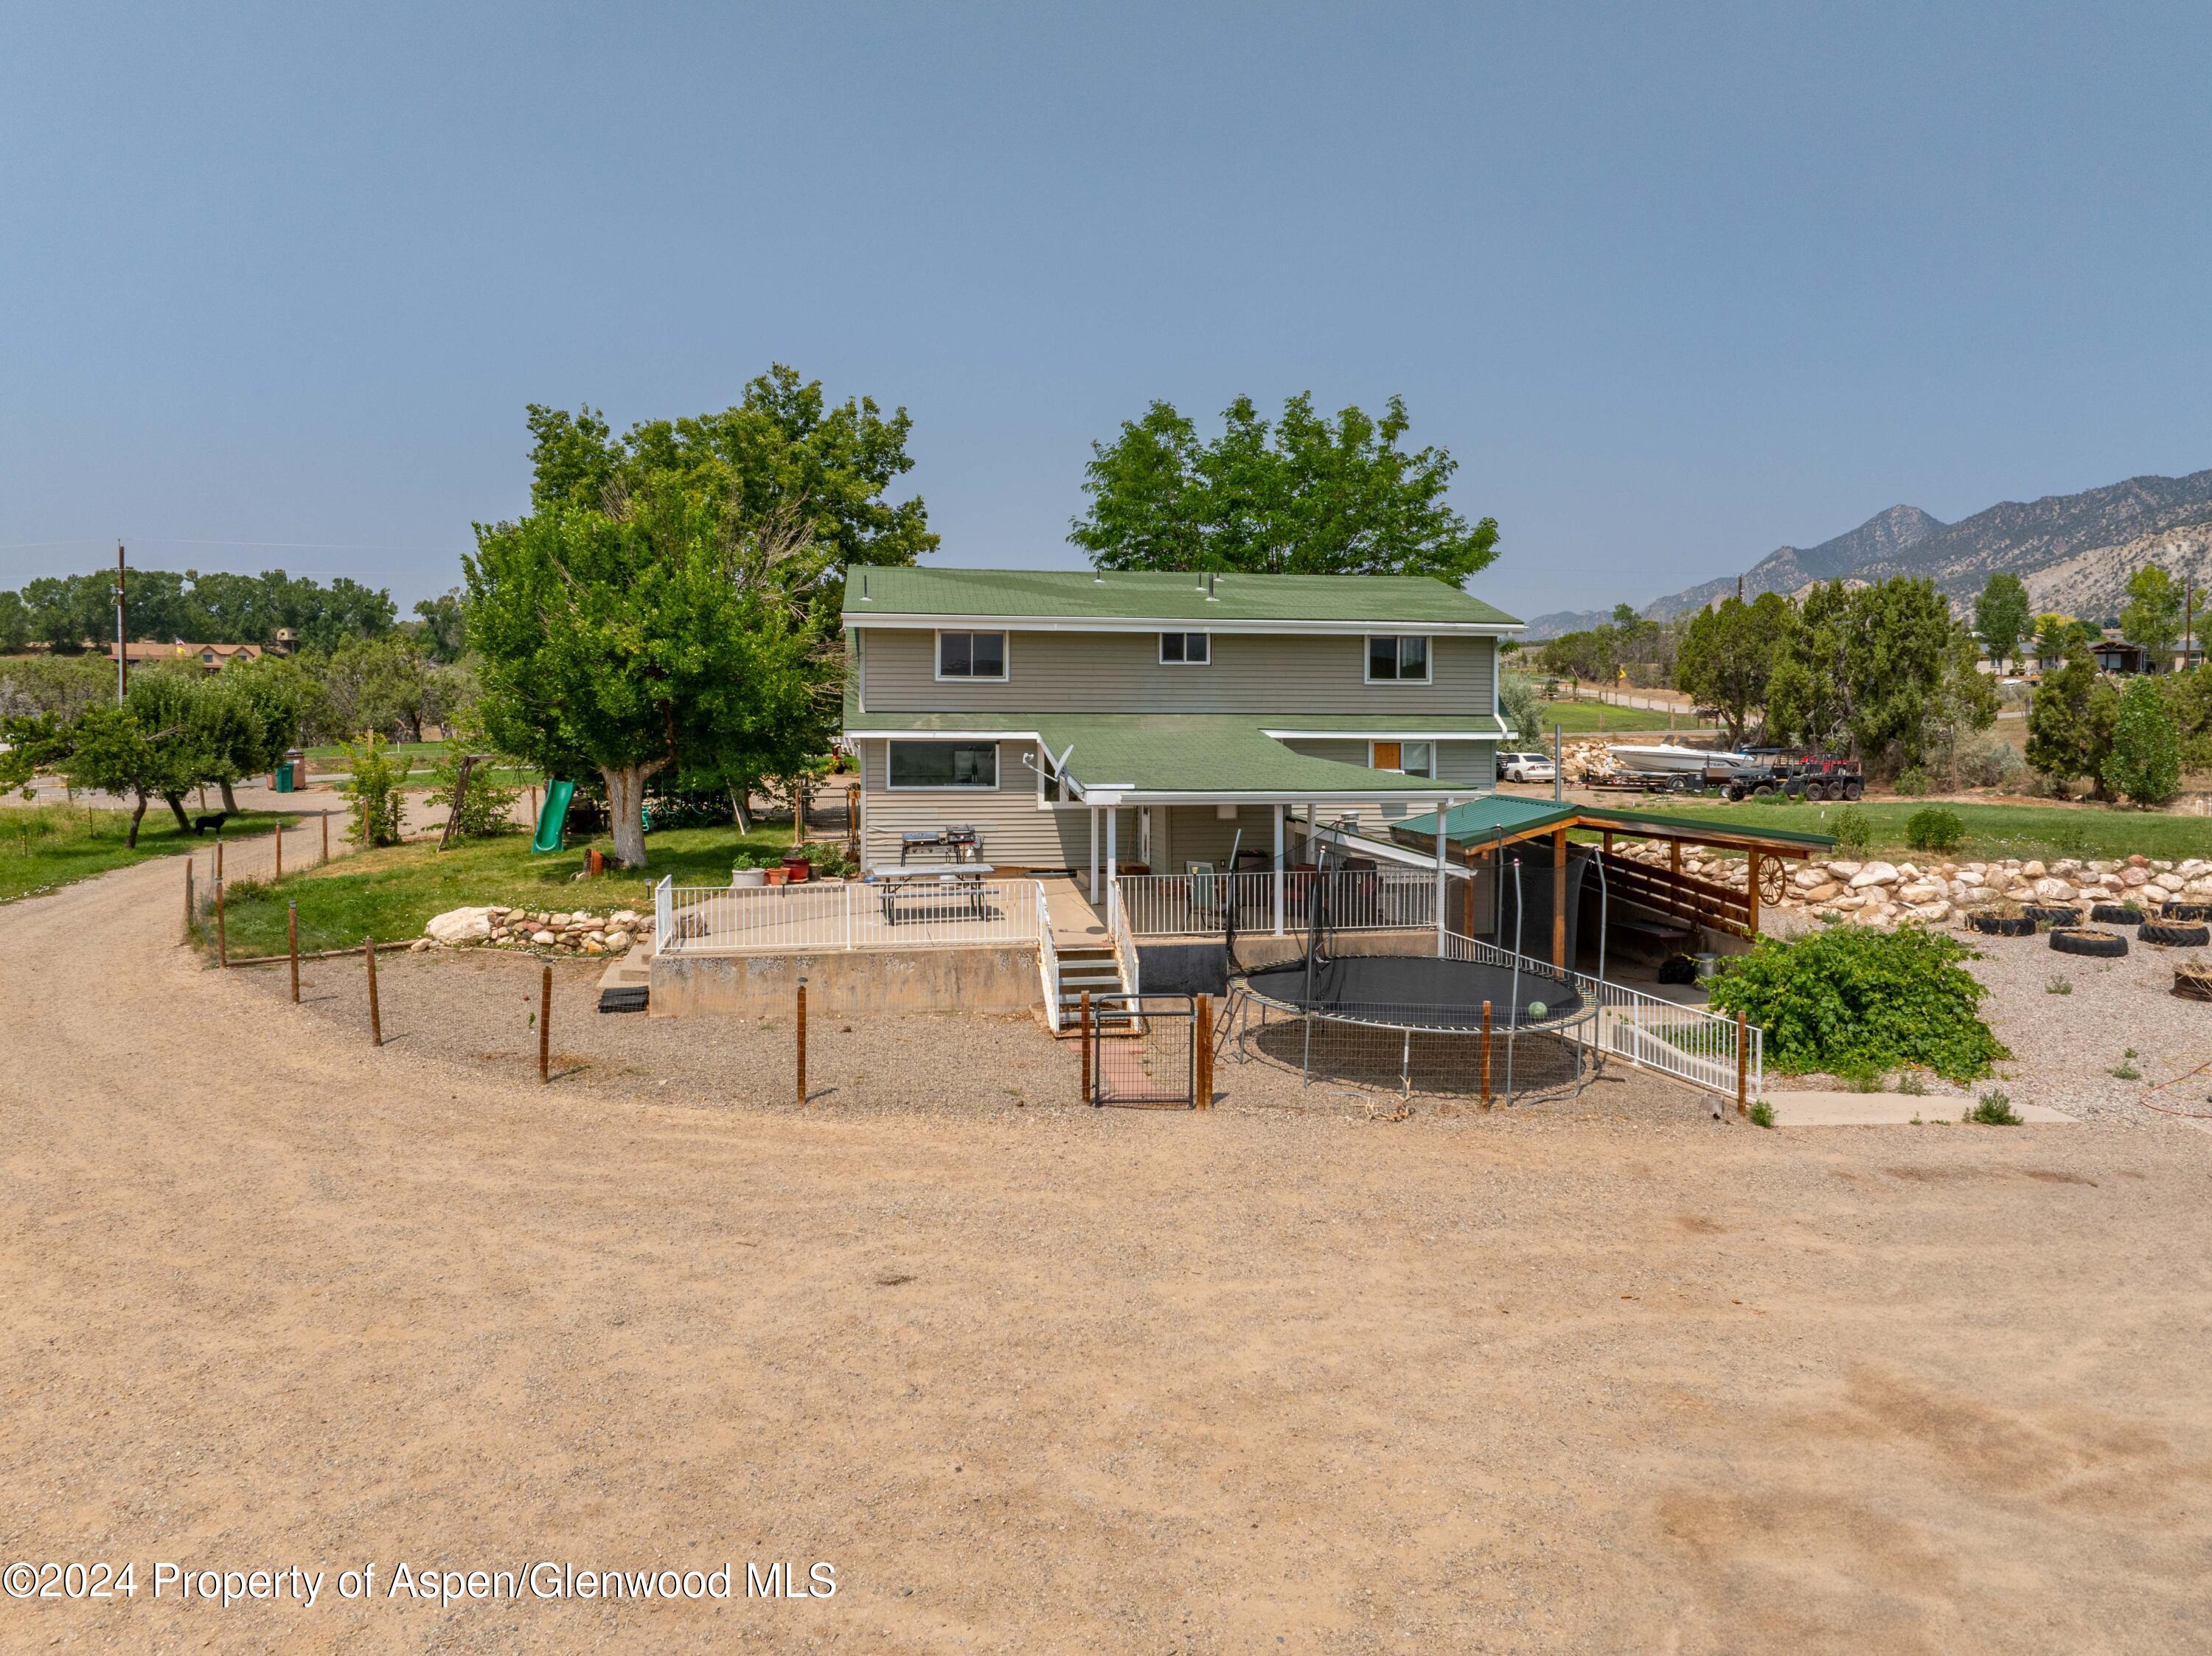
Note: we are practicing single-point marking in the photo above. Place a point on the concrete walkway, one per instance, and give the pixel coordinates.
(1809, 1109)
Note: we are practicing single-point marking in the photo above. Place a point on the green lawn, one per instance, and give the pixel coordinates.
(327, 764)
(389, 893)
(44, 846)
(1596, 718)
(1992, 830)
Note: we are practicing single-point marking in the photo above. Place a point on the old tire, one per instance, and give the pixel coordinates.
(2186, 912)
(2098, 945)
(2117, 914)
(2166, 935)
(2003, 926)
(2053, 914)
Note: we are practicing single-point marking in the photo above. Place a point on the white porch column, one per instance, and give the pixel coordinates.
(1443, 808)
(1112, 862)
(1277, 811)
(1094, 854)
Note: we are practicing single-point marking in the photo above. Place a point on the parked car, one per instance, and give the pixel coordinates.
(1524, 767)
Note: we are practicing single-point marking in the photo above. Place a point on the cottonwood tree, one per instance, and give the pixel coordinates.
(2152, 615)
(1305, 495)
(2002, 617)
(2146, 758)
(658, 631)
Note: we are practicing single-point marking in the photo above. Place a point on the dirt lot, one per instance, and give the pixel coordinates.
(1033, 1377)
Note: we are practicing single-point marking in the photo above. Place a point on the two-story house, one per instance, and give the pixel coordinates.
(1081, 720)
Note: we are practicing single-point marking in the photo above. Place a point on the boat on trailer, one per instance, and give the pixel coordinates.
(1672, 759)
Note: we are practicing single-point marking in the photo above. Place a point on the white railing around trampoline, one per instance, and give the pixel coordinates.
(1688, 1043)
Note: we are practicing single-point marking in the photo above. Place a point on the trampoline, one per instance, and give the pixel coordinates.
(1354, 1009)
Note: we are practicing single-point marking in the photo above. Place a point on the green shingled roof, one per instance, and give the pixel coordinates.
(1145, 595)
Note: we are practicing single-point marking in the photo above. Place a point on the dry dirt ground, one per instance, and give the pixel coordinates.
(1031, 1377)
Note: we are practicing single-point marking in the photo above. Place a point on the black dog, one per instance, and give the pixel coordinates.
(214, 820)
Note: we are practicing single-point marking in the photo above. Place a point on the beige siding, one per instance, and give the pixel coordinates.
(1016, 832)
(1274, 675)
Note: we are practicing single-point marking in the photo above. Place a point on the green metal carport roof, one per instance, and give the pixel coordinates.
(1482, 822)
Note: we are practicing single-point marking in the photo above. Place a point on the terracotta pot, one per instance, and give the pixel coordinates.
(797, 869)
(776, 876)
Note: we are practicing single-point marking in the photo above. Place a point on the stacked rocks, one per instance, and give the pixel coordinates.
(1875, 893)
(577, 932)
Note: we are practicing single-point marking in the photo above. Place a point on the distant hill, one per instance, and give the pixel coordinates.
(2074, 551)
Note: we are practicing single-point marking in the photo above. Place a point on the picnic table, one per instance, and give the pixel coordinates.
(920, 885)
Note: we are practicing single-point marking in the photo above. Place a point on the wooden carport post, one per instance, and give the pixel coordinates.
(1559, 897)
(1751, 868)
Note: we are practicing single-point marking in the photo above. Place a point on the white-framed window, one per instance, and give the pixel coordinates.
(936, 765)
(971, 655)
(1410, 758)
(1397, 659)
(1186, 649)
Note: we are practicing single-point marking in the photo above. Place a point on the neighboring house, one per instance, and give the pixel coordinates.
(1160, 720)
(213, 656)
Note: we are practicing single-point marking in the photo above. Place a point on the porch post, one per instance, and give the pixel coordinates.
(1277, 811)
(1442, 851)
(1094, 854)
(1112, 863)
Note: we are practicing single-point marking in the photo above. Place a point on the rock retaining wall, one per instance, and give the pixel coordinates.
(568, 931)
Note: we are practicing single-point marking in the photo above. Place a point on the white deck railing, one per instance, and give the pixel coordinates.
(1686, 1042)
(1117, 928)
(1357, 900)
(1047, 960)
(810, 917)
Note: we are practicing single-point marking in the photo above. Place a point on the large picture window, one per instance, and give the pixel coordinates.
(971, 655)
(944, 764)
(1397, 659)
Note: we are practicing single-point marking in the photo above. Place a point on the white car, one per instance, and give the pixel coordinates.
(1524, 767)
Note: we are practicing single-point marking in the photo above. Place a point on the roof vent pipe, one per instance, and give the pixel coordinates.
(1209, 586)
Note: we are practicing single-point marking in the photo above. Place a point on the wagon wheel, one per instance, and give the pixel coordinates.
(1773, 880)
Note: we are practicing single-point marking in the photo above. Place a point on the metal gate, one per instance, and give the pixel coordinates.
(1145, 1049)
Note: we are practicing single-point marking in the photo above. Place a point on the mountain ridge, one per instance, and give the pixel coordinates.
(2074, 551)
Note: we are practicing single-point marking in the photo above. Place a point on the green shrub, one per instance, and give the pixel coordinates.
(1995, 1110)
(487, 806)
(1762, 1114)
(1854, 831)
(1859, 1075)
(372, 791)
(1848, 996)
(2146, 761)
(1934, 828)
(1913, 781)
(1911, 1085)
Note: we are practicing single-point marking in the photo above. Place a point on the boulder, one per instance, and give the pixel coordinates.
(617, 941)
(1874, 874)
(2168, 883)
(2135, 876)
(458, 926)
(544, 939)
(1825, 892)
(1844, 871)
(2031, 870)
(2138, 861)
(1933, 912)
(2051, 890)
(1921, 893)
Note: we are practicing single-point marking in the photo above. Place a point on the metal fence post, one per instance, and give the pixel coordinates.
(1742, 1062)
(292, 945)
(802, 1041)
(545, 1026)
(1485, 1055)
(1083, 1039)
(375, 1021)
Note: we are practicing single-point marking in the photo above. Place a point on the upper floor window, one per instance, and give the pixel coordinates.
(1397, 659)
(1185, 649)
(971, 655)
(1412, 758)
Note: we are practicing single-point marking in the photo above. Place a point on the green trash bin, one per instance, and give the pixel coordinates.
(284, 777)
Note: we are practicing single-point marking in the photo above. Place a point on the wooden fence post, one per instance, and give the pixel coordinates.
(1083, 1039)
(1485, 1055)
(545, 1027)
(1202, 1059)
(292, 945)
(375, 1020)
(218, 859)
(801, 1042)
(327, 836)
(1742, 1063)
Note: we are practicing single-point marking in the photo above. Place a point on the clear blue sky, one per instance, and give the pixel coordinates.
(1674, 283)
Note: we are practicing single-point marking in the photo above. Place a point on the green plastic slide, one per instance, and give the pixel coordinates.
(553, 821)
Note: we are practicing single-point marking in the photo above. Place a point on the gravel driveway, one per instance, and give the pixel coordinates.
(1039, 1378)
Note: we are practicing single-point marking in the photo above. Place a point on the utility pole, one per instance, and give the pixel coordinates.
(122, 648)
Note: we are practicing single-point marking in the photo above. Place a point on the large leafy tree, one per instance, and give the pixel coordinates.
(2145, 759)
(1900, 646)
(66, 612)
(1305, 495)
(656, 631)
(386, 684)
(2152, 615)
(1727, 656)
(783, 460)
(2002, 617)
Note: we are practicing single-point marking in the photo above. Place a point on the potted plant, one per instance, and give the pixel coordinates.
(797, 866)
